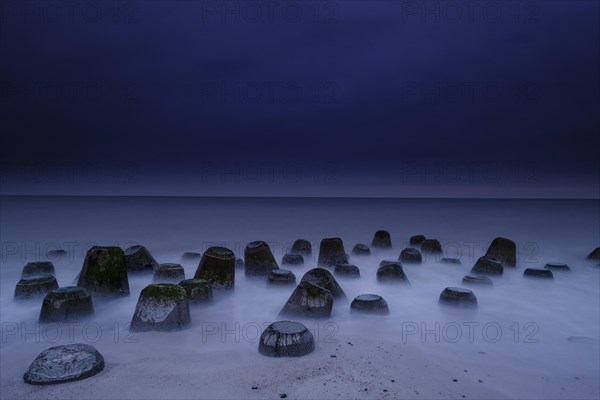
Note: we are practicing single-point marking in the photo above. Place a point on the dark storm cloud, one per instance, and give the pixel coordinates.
(376, 88)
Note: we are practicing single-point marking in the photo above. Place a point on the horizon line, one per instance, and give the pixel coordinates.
(302, 197)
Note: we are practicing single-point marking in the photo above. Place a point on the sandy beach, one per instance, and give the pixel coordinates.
(352, 368)
(528, 339)
(353, 365)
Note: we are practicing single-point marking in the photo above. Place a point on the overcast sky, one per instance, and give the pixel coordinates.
(295, 98)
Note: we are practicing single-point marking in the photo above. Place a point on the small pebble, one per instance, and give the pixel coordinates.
(393, 380)
(454, 380)
(385, 390)
(333, 356)
(283, 396)
(480, 381)
(254, 387)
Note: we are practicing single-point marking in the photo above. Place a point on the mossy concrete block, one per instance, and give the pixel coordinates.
(104, 272)
(161, 307)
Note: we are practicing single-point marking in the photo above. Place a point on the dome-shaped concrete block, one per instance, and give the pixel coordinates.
(459, 297)
(416, 240)
(258, 259)
(331, 252)
(487, 266)
(477, 280)
(347, 271)
(168, 273)
(393, 272)
(218, 268)
(281, 277)
(382, 240)
(302, 247)
(361, 250)
(38, 268)
(35, 286)
(410, 256)
(557, 267)
(67, 304)
(504, 250)
(431, 246)
(370, 304)
(386, 262)
(286, 339)
(538, 273)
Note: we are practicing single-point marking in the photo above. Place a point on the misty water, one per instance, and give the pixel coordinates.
(523, 330)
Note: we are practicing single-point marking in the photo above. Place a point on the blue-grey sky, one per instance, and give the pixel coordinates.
(341, 98)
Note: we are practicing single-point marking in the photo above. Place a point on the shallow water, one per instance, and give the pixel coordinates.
(522, 325)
